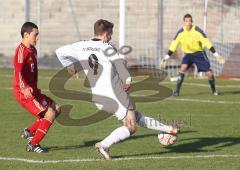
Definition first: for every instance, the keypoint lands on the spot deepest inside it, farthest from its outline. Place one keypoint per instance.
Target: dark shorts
(198, 58)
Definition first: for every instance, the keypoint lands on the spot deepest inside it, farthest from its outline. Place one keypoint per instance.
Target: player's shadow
(153, 135)
(221, 93)
(205, 144)
(70, 147)
(92, 142)
(198, 145)
(231, 92)
(199, 94)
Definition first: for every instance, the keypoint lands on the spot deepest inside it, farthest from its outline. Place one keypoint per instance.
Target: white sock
(153, 124)
(117, 135)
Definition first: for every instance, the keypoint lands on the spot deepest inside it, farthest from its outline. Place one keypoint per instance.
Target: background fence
(149, 28)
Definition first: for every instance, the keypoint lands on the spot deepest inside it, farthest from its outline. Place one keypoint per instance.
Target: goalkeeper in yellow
(192, 40)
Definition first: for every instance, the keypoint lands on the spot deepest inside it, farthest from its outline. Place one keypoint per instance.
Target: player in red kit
(26, 90)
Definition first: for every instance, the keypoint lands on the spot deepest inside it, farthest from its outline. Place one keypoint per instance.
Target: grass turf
(213, 129)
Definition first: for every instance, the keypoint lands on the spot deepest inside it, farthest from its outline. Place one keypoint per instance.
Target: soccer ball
(167, 139)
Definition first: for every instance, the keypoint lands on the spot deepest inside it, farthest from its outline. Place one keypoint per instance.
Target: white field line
(204, 101)
(171, 98)
(116, 159)
(204, 85)
(165, 82)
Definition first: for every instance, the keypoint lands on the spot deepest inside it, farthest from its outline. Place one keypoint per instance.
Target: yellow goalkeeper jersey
(191, 41)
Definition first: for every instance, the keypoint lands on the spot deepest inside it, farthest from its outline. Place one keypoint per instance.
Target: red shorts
(35, 105)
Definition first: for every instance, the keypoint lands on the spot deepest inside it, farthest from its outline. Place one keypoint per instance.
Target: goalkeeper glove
(219, 58)
(164, 61)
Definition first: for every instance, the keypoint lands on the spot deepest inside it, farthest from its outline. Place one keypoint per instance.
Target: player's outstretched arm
(219, 58)
(164, 61)
(205, 41)
(66, 56)
(174, 44)
(121, 67)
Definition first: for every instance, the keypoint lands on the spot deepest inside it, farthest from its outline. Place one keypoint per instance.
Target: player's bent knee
(132, 128)
(50, 114)
(130, 121)
(210, 74)
(183, 68)
(58, 110)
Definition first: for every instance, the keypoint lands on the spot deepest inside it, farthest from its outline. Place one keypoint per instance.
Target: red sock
(41, 131)
(32, 128)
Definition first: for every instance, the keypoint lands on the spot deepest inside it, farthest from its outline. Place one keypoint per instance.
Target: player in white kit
(109, 80)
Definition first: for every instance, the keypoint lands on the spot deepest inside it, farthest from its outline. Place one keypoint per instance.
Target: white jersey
(106, 74)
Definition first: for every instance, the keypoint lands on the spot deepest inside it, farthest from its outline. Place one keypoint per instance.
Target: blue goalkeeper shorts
(199, 58)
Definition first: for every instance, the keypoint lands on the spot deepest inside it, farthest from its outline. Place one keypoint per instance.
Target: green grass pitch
(210, 136)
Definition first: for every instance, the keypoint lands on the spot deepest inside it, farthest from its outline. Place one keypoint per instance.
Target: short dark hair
(102, 26)
(28, 27)
(187, 16)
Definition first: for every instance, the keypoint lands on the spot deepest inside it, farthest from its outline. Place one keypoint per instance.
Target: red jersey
(25, 68)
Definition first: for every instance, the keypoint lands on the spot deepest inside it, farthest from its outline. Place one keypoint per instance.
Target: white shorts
(114, 106)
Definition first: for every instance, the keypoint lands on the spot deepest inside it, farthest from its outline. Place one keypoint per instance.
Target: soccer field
(209, 138)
